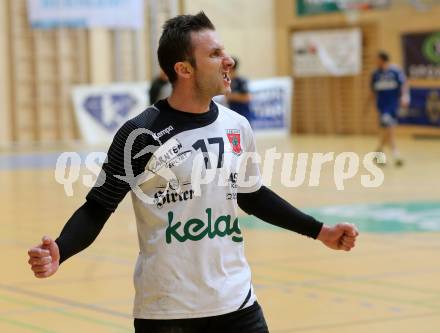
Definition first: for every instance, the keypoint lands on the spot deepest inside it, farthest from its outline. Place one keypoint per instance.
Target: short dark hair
(383, 56)
(175, 43)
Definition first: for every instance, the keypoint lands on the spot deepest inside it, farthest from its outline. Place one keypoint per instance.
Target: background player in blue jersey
(388, 85)
(239, 99)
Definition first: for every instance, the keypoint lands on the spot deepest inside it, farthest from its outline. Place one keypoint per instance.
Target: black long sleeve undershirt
(271, 208)
(82, 229)
(87, 222)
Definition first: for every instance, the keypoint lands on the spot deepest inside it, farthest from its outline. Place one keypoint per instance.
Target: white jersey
(191, 262)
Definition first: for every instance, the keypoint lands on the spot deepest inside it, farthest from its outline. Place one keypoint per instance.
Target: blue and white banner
(47, 14)
(102, 110)
(424, 109)
(271, 103)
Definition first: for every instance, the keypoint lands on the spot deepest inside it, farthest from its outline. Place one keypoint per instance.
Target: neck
(187, 100)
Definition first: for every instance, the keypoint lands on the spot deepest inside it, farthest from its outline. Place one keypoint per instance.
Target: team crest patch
(234, 139)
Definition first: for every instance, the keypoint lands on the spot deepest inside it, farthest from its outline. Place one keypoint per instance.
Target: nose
(228, 62)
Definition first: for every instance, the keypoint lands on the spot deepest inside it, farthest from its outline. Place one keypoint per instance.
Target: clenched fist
(44, 258)
(342, 236)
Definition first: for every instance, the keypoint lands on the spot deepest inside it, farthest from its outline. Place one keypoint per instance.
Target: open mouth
(226, 77)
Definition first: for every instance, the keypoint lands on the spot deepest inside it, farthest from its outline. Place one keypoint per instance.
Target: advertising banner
(102, 110)
(48, 14)
(424, 108)
(421, 53)
(312, 7)
(327, 52)
(271, 104)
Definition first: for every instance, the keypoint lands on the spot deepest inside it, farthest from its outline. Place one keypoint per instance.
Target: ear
(183, 69)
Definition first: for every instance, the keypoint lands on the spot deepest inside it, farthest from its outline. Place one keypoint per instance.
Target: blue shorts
(388, 117)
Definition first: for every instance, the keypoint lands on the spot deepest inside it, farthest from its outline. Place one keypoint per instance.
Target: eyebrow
(217, 48)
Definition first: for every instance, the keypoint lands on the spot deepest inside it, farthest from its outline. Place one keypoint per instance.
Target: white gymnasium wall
(5, 75)
(247, 29)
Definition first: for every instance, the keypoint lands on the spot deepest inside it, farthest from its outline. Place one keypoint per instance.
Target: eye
(216, 53)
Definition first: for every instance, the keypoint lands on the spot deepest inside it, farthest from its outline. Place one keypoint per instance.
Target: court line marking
(340, 291)
(322, 327)
(362, 279)
(79, 280)
(25, 325)
(323, 257)
(64, 301)
(65, 313)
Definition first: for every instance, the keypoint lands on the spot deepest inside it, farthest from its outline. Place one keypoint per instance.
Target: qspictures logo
(165, 157)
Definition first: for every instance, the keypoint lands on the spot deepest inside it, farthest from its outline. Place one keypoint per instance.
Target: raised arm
(86, 223)
(271, 208)
(79, 232)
